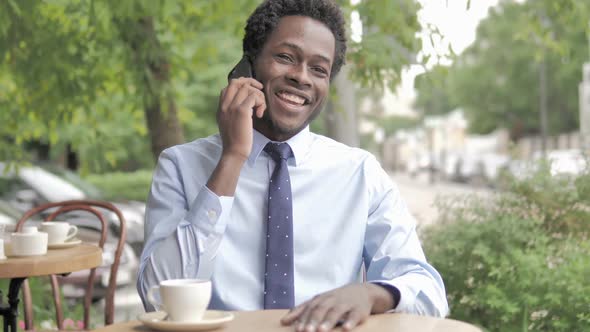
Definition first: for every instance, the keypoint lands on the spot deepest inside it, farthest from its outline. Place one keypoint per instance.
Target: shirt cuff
(209, 212)
(406, 296)
(395, 293)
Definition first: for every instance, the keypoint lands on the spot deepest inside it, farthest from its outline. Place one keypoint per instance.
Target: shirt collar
(298, 143)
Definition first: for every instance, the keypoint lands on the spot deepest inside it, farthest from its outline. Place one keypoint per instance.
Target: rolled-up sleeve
(182, 237)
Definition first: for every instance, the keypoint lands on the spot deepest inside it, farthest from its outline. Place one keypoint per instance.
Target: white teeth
(292, 98)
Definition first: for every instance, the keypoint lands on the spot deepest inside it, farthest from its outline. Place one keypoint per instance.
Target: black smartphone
(242, 69)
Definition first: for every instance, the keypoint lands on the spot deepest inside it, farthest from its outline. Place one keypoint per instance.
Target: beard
(275, 131)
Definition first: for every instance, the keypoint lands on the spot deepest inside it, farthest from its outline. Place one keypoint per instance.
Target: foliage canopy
(107, 77)
(497, 79)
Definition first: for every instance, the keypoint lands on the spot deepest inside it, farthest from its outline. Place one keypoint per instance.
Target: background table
(269, 321)
(58, 261)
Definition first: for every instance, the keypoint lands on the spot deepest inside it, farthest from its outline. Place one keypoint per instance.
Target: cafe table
(269, 321)
(56, 261)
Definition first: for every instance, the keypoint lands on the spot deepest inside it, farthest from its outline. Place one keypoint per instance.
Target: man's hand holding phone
(239, 101)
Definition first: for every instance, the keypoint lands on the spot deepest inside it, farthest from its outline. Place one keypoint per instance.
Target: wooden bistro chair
(54, 210)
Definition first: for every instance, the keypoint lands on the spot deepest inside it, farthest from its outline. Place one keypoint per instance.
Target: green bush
(123, 186)
(519, 260)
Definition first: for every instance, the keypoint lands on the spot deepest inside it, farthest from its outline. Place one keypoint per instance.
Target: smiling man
(279, 217)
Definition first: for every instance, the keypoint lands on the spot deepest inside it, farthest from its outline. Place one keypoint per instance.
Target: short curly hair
(267, 15)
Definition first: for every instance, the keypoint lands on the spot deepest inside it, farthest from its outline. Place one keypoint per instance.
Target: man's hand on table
(351, 305)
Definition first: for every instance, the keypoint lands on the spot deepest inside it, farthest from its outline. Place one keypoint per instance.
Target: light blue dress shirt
(346, 212)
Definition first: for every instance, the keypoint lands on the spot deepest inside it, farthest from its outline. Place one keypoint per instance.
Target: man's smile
(294, 98)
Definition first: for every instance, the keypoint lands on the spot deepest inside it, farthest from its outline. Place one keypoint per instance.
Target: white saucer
(211, 320)
(64, 245)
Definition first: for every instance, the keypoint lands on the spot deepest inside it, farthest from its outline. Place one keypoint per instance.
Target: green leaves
(496, 80)
(506, 266)
(80, 73)
(434, 92)
(68, 77)
(388, 42)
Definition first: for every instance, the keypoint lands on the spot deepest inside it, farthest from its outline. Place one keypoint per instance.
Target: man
(215, 213)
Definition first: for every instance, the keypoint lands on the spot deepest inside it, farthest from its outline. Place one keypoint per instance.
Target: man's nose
(300, 75)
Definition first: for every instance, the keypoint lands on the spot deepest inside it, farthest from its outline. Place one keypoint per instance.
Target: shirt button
(212, 214)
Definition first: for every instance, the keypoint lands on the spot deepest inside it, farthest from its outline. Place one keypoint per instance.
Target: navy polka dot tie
(278, 278)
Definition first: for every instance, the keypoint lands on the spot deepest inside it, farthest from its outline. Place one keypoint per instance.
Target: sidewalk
(420, 195)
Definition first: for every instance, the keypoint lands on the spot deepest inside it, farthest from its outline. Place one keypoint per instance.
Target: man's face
(294, 66)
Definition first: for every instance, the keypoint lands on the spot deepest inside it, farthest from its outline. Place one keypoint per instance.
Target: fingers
(313, 315)
(235, 85)
(254, 101)
(293, 314)
(320, 314)
(355, 317)
(260, 108)
(244, 94)
(246, 80)
(349, 305)
(332, 317)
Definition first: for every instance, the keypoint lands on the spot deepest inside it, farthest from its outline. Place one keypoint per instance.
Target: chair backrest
(92, 207)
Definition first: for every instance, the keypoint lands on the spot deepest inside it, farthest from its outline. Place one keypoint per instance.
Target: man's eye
(285, 57)
(320, 70)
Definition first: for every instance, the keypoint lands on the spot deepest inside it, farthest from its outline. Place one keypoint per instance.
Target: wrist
(383, 297)
(232, 159)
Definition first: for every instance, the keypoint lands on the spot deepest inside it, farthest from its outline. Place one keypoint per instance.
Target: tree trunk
(164, 127)
(72, 162)
(341, 117)
(153, 68)
(329, 120)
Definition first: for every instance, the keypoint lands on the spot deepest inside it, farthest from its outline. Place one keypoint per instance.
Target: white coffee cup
(184, 300)
(59, 231)
(28, 242)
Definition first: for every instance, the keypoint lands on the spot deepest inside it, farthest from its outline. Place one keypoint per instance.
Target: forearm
(181, 243)
(396, 258)
(224, 179)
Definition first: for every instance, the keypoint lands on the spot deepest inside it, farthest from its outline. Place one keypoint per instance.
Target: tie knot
(278, 151)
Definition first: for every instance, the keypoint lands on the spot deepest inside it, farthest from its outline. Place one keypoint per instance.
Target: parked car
(483, 168)
(561, 162)
(492, 165)
(30, 186)
(450, 167)
(133, 211)
(8, 215)
(571, 162)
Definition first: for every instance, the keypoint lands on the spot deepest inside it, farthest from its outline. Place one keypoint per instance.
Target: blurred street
(420, 195)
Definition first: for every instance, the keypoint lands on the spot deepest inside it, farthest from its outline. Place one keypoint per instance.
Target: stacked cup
(28, 242)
